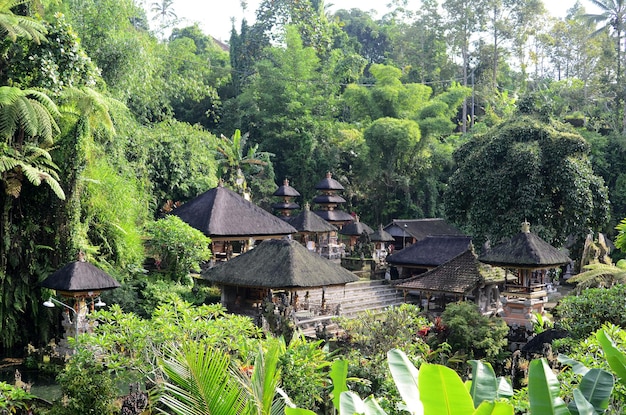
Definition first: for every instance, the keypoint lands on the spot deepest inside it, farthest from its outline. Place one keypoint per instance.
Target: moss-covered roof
(524, 250)
(279, 263)
(461, 275)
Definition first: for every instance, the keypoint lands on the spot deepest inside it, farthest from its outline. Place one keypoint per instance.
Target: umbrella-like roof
(222, 213)
(334, 215)
(461, 275)
(79, 276)
(356, 228)
(381, 236)
(524, 250)
(431, 251)
(328, 183)
(286, 190)
(308, 221)
(279, 263)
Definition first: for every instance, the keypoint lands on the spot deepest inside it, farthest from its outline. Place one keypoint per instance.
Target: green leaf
(372, 407)
(494, 408)
(577, 367)
(298, 411)
(339, 374)
(580, 405)
(405, 375)
(350, 403)
(442, 391)
(484, 385)
(596, 387)
(614, 357)
(505, 390)
(543, 390)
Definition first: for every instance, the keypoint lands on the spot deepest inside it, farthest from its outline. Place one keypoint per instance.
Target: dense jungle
(486, 113)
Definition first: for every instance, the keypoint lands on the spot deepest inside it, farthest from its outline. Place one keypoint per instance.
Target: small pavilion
(530, 258)
(380, 238)
(277, 266)
(232, 222)
(355, 230)
(460, 279)
(427, 254)
(81, 283)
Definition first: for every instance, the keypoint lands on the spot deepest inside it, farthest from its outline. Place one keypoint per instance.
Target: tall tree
(612, 18)
(526, 170)
(464, 19)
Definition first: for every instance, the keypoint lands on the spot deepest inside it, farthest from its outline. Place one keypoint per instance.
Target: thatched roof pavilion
(356, 228)
(222, 214)
(525, 250)
(328, 200)
(409, 231)
(429, 253)
(78, 279)
(461, 277)
(531, 257)
(307, 222)
(381, 235)
(279, 264)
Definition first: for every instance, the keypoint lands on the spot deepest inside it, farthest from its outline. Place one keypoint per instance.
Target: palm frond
(599, 275)
(200, 382)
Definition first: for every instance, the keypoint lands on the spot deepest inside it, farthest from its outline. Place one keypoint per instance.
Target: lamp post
(50, 303)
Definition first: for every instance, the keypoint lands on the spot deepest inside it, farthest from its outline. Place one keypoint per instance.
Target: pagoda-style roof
(79, 276)
(431, 251)
(328, 183)
(420, 228)
(356, 228)
(326, 199)
(286, 190)
(276, 264)
(285, 206)
(461, 275)
(221, 213)
(381, 235)
(310, 222)
(334, 216)
(524, 250)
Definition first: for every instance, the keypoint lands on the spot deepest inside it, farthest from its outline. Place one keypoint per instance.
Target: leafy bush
(177, 247)
(14, 400)
(597, 305)
(468, 332)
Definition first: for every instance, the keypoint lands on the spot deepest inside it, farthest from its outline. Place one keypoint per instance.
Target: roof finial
(307, 206)
(329, 175)
(286, 182)
(525, 226)
(81, 256)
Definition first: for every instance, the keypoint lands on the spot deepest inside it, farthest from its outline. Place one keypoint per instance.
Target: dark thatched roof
(308, 221)
(286, 190)
(222, 213)
(524, 250)
(431, 251)
(285, 206)
(328, 183)
(324, 199)
(334, 215)
(381, 236)
(420, 228)
(79, 276)
(279, 263)
(461, 275)
(356, 228)
(535, 345)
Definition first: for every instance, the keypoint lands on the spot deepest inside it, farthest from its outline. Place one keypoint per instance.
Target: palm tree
(15, 26)
(164, 11)
(612, 18)
(600, 275)
(201, 380)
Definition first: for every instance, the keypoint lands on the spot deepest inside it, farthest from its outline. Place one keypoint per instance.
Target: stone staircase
(345, 301)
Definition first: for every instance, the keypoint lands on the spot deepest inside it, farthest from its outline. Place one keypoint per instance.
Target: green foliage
(598, 305)
(14, 25)
(131, 345)
(87, 387)
(14, 400)
(177, 247)
(526, 170)
(470, 333)
(304, 366)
